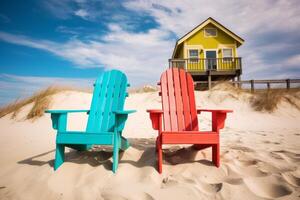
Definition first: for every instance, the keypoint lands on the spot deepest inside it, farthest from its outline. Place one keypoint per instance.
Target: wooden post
(239, 79)
(233, 83)
(209, 80)
(288, 84)
(252, 85)
(269, 85)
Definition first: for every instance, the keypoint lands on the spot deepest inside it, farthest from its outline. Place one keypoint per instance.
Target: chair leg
(159, 155)
(157, 144)
(59, 156)
(115, 153)
(216, 154)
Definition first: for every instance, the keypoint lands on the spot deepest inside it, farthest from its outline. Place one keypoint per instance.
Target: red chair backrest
(178, 101)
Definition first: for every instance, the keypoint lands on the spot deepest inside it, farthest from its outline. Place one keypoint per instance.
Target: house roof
(209, 20)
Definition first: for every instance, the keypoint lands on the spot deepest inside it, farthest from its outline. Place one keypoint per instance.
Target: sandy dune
(260, 156)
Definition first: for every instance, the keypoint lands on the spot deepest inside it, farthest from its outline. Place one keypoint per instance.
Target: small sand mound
(292, 178)
(268, 187)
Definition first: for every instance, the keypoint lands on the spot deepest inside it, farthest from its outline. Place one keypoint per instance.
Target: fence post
(252, 85)
(288, 84)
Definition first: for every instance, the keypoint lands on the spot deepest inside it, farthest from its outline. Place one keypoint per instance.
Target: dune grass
(269, 100)
(41, 101)
(263, 99)
(146, 88)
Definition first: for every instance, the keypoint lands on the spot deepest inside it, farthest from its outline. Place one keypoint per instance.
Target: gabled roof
(209, 20)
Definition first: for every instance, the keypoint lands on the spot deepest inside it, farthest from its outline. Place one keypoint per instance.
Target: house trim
(238, 40)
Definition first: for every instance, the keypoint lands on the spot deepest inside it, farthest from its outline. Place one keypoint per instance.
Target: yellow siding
(210, 42)
(218, 43)
(221, 41)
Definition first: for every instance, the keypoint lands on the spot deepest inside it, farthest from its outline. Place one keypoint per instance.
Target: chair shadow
(32, 161)
(98, 156)
(148, 156)
(101, 155)
(183, 155)
(171, 156)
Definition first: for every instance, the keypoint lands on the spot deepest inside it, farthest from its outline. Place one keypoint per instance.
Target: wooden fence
(287, 82)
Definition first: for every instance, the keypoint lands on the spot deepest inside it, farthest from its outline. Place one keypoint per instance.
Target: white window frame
(191, 58)
(227, 59)
(208, 36)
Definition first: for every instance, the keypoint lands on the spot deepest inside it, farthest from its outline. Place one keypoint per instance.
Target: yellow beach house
(209, 52)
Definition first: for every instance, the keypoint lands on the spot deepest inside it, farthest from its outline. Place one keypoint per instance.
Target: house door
(211, 60)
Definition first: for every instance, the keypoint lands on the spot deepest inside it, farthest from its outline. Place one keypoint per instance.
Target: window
(227, 54)
(210, 32)
(193, 55)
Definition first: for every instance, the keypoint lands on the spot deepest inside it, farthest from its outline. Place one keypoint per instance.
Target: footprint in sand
(211, 189)
(137, 196)
(242, 148)
(288, 156)
(234, 181)
(268, 187)
(291, 178)
(247, 171)
(143, 196)
(246, 163)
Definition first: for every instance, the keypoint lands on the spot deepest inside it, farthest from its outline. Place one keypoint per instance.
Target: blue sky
(69, 42)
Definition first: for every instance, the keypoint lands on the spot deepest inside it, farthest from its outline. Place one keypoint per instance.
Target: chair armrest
(213, 110)
(155, 111)
(124, 112)
(59, 118)
(66, 111)
(121, 117)
(156, 118)
(218, 117)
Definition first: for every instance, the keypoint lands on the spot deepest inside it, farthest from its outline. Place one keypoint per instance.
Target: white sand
(260, 156)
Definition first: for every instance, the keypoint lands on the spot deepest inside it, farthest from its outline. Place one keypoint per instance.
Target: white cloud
(141, 55)
(268, 27)
(241, 16)
(144, 55)
(293, 61)
(81, 13)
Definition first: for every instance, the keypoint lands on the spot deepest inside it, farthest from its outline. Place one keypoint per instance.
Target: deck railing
(284, 83)
(206, 64)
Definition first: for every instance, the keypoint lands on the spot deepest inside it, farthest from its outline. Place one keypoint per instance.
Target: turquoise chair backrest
(109, 95)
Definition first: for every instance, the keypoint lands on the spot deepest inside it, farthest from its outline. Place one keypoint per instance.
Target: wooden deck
(209, 70)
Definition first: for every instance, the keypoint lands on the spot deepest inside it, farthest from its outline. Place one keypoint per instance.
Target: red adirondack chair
(177, 122)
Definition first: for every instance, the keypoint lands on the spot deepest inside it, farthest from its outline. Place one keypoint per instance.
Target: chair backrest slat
(194, 118)
(178, 101)
(185, 101)
(109, 95)
(165, 101)
(172, 103)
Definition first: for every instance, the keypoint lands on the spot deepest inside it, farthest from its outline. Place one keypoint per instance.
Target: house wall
(202, 43)
(221, 41)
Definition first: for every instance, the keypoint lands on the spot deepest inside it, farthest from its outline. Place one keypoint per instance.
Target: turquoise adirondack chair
(105, 123)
